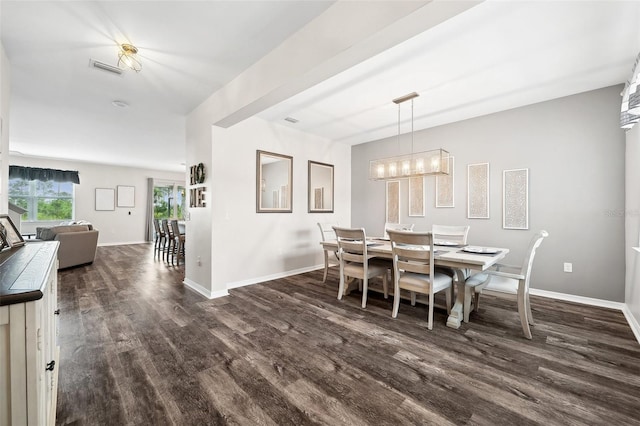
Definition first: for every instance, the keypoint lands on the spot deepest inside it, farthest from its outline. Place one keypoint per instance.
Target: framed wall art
(105, 199)
(445, 188)
(416, 196)
(320, 187)
(515, 199)
(126, 196)
(392, 214)
(9, 234)
(478, 191)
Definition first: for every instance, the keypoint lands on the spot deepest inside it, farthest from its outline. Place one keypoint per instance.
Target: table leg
(457, 312)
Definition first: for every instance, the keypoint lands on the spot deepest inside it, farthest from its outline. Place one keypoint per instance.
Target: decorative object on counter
(416, 196)
(9, 235)
(445, 187)
(392, 214)
(126, 196)
(274, 182)
(478, 191)
(320, 187)
(105, 199)
(515, 199)
(426, 163)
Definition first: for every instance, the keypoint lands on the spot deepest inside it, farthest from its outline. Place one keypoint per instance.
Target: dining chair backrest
(326, 231)
(455, 234)
(167, 228)
(397, 227)
(412, 252)
(352, 244)
(158, 228)
(527, 264)
(175, 228)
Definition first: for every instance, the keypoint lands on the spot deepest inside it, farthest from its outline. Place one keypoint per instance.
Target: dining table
(459, 258)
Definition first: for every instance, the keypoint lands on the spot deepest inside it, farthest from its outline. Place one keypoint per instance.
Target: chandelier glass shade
(128, 57)
(425, 163)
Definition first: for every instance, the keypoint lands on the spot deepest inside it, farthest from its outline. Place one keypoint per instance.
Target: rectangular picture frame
(515, 199)
(445, 188)
(416, 196)
(392, 211)
(478, 191)
(126, 196)
(105, 199)
(10, 235)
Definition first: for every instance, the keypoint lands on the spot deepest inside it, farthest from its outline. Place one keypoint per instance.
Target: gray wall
(575, 152)
(632, 220)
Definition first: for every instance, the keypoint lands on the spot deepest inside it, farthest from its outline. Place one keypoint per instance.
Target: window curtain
(44, 175)
(148, 234)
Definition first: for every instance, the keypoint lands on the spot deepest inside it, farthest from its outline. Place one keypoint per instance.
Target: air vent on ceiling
(291, 120)
(105, 67)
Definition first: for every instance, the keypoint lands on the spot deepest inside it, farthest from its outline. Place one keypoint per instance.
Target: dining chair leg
(365, 287)
(396, 301)
(326, 266)
(385, 286)
(430, 323)
(413, 298)
(522, 311)
(529, 314)
(341, 286)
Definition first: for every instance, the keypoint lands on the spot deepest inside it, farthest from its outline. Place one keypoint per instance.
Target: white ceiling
(495, 56)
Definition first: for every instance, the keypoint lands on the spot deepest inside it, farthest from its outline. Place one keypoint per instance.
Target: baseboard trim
(284, 274)
(203, 291)
(635, 327)
(633, 323)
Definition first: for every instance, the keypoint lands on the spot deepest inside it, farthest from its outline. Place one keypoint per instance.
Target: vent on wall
(105, 67)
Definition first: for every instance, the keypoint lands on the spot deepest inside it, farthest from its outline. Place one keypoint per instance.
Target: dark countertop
(23, 271)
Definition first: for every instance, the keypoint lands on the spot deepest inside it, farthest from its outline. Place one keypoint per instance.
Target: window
(43, 200)
(168, 201)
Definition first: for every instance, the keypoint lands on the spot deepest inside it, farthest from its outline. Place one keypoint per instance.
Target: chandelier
(425, 163)
(128, 56)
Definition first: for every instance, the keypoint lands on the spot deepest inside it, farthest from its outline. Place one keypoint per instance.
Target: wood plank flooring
(139, 348)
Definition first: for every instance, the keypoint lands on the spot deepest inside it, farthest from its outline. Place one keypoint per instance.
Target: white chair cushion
(357, 270)
(503, 284)
(441, 281)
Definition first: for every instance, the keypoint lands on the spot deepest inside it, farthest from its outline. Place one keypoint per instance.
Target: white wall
(5, 92)
(574, 149)
(118, 226)
(632, 222)
(250, 247)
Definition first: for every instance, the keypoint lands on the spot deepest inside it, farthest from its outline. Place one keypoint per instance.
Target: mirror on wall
(320, 190)
(273, 182)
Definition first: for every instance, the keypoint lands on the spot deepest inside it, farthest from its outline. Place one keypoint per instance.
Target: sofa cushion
(48, 234)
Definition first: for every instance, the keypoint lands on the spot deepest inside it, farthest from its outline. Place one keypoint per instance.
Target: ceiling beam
(346, 34)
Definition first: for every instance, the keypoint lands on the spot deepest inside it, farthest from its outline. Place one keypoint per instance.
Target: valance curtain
(44, 175)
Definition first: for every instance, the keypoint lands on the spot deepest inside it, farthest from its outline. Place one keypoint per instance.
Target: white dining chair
(446, 234)
(355, 261)
(397, 227)
(413, 269)
(327, 233)
(515, 282)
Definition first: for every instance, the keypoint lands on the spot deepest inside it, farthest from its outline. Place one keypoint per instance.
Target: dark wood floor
(138, 348)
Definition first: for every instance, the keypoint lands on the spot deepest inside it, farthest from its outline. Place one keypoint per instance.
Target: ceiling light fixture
(128, 57)
(426, 163)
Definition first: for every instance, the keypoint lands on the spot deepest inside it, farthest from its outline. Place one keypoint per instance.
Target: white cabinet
(28, 335)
